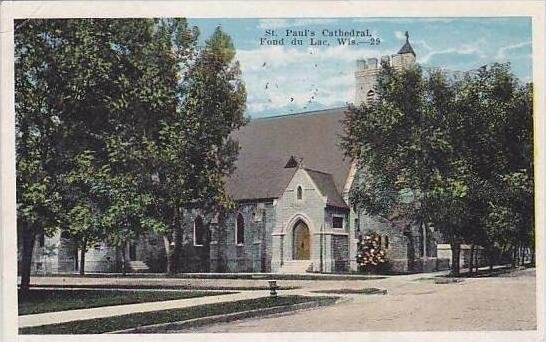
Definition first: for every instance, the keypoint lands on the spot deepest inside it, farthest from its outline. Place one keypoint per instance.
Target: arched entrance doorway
(301, 242)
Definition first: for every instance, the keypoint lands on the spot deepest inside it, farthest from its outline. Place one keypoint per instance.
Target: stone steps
(296, 267)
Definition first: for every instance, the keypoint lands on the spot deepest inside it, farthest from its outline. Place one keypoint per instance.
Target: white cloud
(289, 79)
(399, 35)
(501, 53)
(276, 56)
(463, 49)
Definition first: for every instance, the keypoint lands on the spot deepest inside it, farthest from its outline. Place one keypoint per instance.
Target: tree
(89, 94)
(495, 138)
(432, 150)
(84, 203)
(194, 153)
(401, 147)
(37, 130)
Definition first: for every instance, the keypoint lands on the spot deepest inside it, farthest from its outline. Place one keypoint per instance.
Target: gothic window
(299, 193)
(386, 242)
(370, 95)
(199, 232)
(240, 230)
(42, 240)
(337, 222)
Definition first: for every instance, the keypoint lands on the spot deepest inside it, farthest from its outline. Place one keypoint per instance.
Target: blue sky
(288, 79)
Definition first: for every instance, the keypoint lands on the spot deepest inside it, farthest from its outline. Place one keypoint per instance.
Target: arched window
(240, 230)
(299, 192)
(199, 232)
(386, 242)
(370, 95)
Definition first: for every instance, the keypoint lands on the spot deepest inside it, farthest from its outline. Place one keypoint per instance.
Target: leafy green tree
(90, 93)
(83, 199)
(402, 149)
(495, 139)
(37, 130)
(194, 152)
(432, 151)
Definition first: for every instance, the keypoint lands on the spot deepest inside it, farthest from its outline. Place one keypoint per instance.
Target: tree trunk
(477, 259)
(490, 257)
(172, 245)
(169, 254)
(471, 261)
(221, 243)
(124, 259)
(513, 263)
(82, 257)
(177, 238)
(28, 237)
(455, 257)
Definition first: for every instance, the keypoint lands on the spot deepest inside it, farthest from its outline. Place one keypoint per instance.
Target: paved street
(501, 303)
(413, 303)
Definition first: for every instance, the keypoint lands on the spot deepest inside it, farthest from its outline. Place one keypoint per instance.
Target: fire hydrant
(273, 288)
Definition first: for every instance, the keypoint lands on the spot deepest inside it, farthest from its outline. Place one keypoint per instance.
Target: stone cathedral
(293, 215)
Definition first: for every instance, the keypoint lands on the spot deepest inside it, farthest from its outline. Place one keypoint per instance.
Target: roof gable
(266, 145)
(325, 184)
(292, 162)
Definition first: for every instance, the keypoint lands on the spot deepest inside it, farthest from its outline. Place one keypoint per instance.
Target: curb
(196, 322)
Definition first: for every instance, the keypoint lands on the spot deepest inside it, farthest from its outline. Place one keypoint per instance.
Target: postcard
(295, 170)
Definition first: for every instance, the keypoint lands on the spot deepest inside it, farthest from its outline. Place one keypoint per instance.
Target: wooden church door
(301, 241)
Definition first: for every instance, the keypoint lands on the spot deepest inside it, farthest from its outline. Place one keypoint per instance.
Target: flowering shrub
(370, 255)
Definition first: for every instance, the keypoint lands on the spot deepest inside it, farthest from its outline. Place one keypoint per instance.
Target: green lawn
(48, 300)
(195, 287)
(109, 324)
(367, 290)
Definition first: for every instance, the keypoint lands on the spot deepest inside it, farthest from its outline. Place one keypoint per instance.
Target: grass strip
(50, 300)
(164, 286)
(368, 290)
(115, 323)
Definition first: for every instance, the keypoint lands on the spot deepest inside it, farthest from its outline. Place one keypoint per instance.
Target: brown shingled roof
(268, 143)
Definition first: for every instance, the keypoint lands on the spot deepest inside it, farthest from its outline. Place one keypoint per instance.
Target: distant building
(292, 187)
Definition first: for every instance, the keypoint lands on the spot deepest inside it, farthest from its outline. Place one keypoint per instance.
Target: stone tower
(368, 69)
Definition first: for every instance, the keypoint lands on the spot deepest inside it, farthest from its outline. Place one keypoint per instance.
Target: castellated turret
(368, 69)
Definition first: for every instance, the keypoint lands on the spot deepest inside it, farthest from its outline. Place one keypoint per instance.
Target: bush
(370, 255)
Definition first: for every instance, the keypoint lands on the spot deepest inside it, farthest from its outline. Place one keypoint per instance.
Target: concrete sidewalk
(117, 310)
(395, 285)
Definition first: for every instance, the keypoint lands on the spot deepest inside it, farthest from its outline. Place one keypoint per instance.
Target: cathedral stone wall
(254, 255)
(289, 210)
(151, 250)
(398, 246)
(340, 252)
(269, 224)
